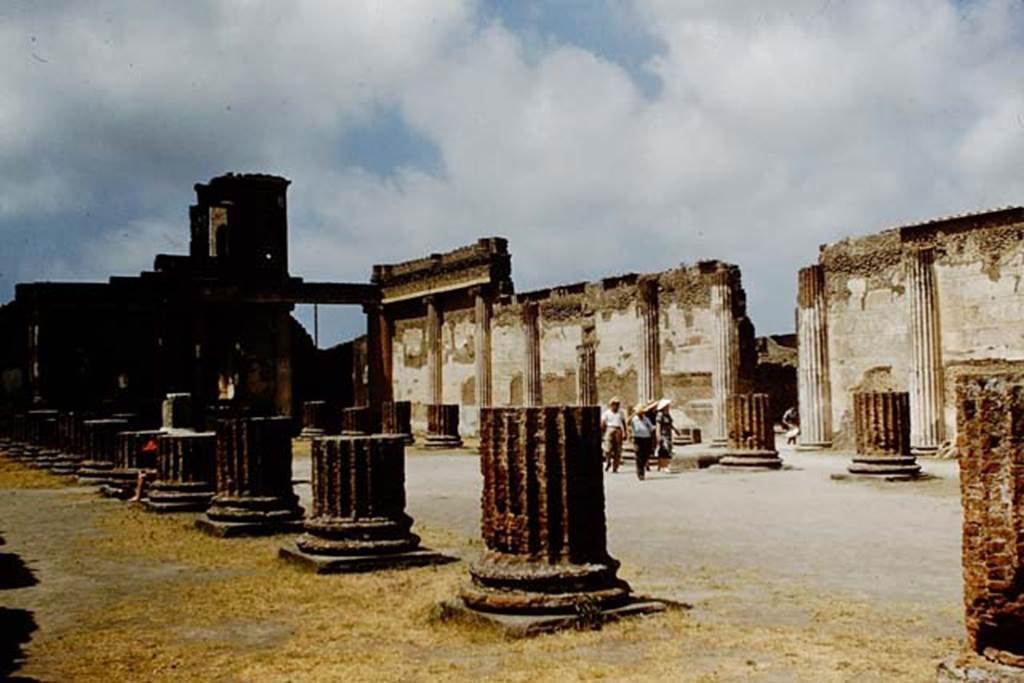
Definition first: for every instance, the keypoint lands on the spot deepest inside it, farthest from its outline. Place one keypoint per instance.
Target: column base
(442, 441)
(46, 458)
(237, 529)
(527, 625)
(251, 516)
(973, 668)
(348, 564)
(924, 450)
(310, 433)
(66, 465)
(769, 460)
(94, 473)
(814, 446)
(165, 496)
(899, 466)
(121, 483)
(718, 442)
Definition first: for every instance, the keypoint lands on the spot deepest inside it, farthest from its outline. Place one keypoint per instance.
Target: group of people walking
(649, 425)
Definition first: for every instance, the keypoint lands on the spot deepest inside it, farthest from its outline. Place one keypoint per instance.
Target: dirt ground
(790, 576)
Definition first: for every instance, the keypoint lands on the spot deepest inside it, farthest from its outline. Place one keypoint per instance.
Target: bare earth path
(792, 576)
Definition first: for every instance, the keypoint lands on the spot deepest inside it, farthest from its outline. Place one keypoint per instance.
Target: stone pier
(184, 472)
(176, 412)
(17, 437)
(43, 425)
(396, 418)
(990, 441)
(545, 565)
(314, 419)
(100, 439)
(379, 363)
(358, 520)
(882, 428)
(435, 352)
(356, 421)
(751, 433)
(253, 479)
(649, 343)
(814, 389)
(70, 443)
(443, 427)
(482, 348)
(533, 394)
(135, 452)
(726, 357)
(927, 429)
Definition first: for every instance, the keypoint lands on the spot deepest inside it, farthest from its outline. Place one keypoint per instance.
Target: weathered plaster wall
(979, 265)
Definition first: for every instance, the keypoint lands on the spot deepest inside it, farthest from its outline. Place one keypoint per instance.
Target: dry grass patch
(15, 475)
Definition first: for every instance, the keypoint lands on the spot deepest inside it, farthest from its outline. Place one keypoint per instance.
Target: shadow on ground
(16, 625)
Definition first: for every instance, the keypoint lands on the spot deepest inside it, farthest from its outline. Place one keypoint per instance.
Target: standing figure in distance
(643, 438)
(613, 428)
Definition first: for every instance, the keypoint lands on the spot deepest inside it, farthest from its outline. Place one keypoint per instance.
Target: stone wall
(978, 264)
(606, 311)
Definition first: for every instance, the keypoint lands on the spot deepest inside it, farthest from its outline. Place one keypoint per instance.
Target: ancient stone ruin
(882, 425)
(100, 449)
(135, 453)
(396, 418)
(315, 419)
(543, 523)
(253, 479)
(358, 521)
(443, 427)
(751, 440)
(990, 440)
(184, 472)
(356, 421)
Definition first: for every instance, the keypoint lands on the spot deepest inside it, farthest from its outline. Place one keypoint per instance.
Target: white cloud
(778, 126)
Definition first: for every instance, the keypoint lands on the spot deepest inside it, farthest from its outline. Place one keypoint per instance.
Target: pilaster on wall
(814, 385)
(435, 355)
(482, 348)
(927, 428)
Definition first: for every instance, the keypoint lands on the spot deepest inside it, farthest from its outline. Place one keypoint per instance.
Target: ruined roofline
(483, 250)
(226, 178)
(1005, 215)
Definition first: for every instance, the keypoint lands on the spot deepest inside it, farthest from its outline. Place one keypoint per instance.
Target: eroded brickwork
(543, 521)
(358, 497)
(355, 421)
(185, 472)
(882, 432)
(990, 439)
(396, 418)
(100, 448)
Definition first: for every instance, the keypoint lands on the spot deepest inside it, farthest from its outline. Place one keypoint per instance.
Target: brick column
(184, 472)
(814, 387)
(543, 521)
(990, 440)
(533, 392)
(253, 479)
(358, 520)
(927, 429)
(380, 388)
(649, 372)
(136, 451)
(725, 346)
(396, 418)
(100, 449)
(356, 421)
(882, 427)
(314, 419)
(43, 426)
(443, 427)
(751, 435)
(482, 348)
(69, 443)
(176, 412)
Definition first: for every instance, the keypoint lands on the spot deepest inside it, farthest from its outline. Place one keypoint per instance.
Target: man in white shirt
(613, 427)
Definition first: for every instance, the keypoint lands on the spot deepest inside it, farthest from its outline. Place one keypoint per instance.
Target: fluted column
(136, 452)
(435, 355)
(482, 342)
(814, 386)
(586, 374)
(396, 418)
(253, 478)
(751, 434)
(543, 521)
(882, 427)
(443, 427)
(927, 428)
(649, 372)
(533, 394)
(380, 388)
(184, 472)
(725, 348)
(100, 438)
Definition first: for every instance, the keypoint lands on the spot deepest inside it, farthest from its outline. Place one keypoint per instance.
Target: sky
(599, 136)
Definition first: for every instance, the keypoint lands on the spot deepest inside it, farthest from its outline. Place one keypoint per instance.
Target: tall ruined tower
(240, 223)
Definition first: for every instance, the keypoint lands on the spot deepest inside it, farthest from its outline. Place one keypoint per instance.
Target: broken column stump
(396, 418)
(355, 421)
(100, 441)
(253, 479)
(43, 437)
(135, 453)
(751, 436)
(882, 426)
(443, 426)
(314, 419)
(990, 440)
(687, 436)
(70, 443)
(176, 412)
(358, 520)
(17, 437)
(184, 472)
(545, 565)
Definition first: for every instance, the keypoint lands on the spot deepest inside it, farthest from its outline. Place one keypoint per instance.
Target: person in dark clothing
(643, 438)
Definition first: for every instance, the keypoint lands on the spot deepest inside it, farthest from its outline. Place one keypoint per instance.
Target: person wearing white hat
(613, 429)
(665, 429)
(643, 438)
